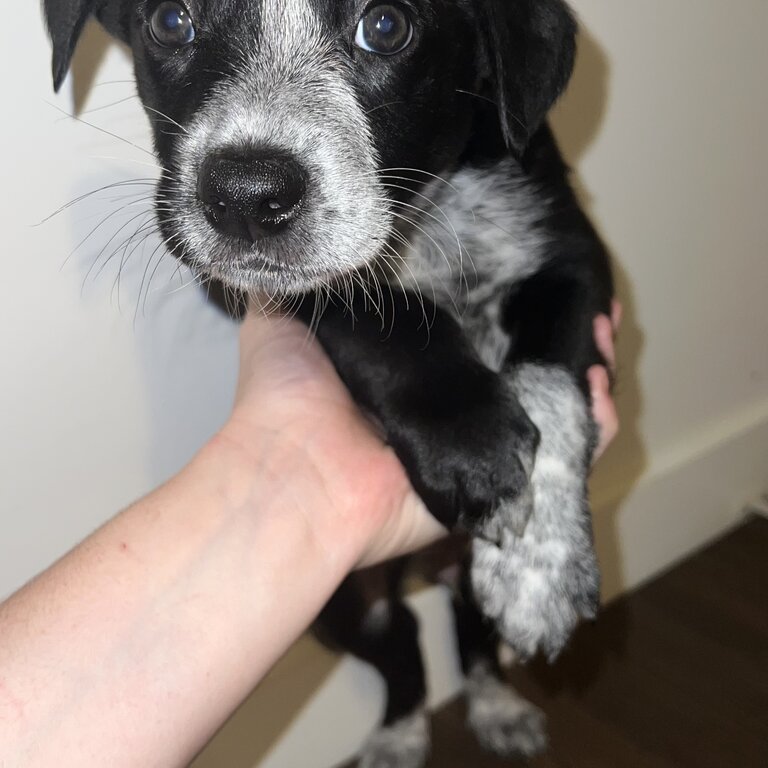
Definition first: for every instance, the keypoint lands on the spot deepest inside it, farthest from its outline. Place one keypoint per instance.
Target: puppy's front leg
(464, 439)
(538, 586)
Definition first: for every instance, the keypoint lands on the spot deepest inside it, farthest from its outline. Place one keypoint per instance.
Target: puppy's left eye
(385, 29)
(171, 25)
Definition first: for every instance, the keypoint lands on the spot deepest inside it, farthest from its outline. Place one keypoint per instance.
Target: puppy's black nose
(252, 196)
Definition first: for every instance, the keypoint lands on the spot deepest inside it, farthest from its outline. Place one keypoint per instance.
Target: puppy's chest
(477, 236)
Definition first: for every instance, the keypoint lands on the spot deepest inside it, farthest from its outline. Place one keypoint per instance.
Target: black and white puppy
(311, 146)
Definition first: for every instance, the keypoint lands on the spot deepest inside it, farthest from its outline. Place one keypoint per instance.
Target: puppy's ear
(528, 47)
(65, 20)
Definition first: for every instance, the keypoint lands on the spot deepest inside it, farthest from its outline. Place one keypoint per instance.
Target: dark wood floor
(673, 676)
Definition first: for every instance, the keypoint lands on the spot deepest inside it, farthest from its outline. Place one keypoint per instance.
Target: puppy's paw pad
(503, 722)
(494, 485)
(404, 744)
(469, 464)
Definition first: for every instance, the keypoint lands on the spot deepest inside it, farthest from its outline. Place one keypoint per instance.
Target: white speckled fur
(503, 721)
(377, 617)
(476, 236)
(538, 586)
(404, 744)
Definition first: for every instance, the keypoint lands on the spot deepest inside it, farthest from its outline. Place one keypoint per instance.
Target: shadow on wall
(205, 346)
(91, 51)
(576, 122)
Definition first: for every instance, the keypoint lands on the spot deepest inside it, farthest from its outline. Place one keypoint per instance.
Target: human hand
(321, 445)
(599, 377)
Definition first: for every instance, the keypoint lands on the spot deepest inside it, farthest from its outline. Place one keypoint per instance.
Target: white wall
(677, 173)
(666, 121)
(99, 402)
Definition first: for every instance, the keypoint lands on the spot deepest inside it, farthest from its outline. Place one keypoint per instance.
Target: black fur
(461, 434)
(529, 50)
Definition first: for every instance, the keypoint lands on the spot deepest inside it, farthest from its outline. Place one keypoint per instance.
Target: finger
(603, 331)
(603, 408)
(257, 325)
(617, 314)
(264, 317)
(266, 329)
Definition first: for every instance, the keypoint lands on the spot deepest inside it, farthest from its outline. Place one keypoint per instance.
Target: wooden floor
(673, 676)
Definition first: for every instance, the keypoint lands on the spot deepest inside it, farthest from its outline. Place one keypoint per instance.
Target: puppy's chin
(249, 271)
(276, 282)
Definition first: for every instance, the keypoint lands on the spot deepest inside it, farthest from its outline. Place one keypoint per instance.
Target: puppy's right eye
(171, 25)
(385, 30)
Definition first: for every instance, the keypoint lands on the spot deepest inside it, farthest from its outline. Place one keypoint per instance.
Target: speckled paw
(536, 593)
(503, 722)
(404, 744)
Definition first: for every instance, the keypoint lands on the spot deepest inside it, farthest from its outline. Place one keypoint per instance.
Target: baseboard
(759, 506)
(689, 496)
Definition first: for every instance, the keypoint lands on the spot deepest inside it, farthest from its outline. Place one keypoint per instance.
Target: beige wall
(666, 122)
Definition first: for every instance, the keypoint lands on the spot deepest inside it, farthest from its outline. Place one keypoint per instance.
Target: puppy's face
(293, 133)
(278, 121)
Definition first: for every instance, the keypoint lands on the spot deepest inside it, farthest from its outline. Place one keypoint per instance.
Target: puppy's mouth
(249, 266)
(255, 263)
(245, 267)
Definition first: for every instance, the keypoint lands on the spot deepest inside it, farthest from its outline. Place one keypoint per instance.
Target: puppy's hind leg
(390, 634)
(384, 633)
(503, 721)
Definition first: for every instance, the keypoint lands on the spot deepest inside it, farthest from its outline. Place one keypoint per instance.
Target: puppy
(386, 169)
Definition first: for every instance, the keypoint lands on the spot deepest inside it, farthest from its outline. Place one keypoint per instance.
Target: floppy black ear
(65, 20)
(529, 48)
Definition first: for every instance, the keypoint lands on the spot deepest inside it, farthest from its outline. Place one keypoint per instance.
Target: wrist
(326, 500)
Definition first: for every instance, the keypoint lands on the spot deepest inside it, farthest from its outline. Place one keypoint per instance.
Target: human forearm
(135, 647)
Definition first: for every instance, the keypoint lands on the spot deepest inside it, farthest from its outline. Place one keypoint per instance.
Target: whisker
(167, 118)
(451, 229)
(419, 291)
(117, 250)
(419, 171)
(99, 128)
(159, 248)
(426, 234)
(104, 106)
(384, 106)
(504, 111)
(97, 228)
(114, 82)
(429, 200)
(123, 160)
(114, 185)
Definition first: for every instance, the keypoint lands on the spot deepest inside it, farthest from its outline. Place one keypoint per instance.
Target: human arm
(134, 648)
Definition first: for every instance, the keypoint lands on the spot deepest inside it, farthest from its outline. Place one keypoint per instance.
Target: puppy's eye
(385, 29)
(171, 25)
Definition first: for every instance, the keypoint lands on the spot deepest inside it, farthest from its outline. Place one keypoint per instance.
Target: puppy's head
(295, 134)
